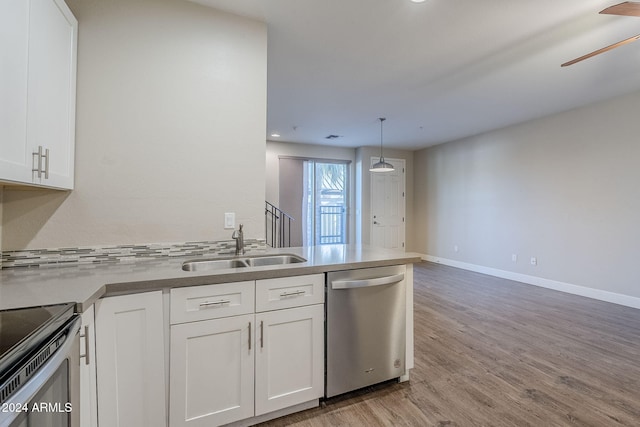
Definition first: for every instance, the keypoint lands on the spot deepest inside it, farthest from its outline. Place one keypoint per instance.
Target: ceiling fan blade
(599, 51)
(628, 8)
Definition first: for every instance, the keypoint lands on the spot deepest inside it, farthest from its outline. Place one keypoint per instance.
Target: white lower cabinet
(233, 368)
(88, 388)
(228, 361)
(130, 361)
(211, 371)
(289, 357)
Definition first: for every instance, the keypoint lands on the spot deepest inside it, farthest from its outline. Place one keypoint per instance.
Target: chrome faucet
(239, 238)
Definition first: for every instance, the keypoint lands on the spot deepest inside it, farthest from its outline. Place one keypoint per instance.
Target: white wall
(171, 115)
(563, 189)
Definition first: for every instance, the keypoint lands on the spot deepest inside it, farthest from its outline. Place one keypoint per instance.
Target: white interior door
(388, 206)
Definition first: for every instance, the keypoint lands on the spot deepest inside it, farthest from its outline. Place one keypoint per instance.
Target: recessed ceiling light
(418, 1)
(275, 135)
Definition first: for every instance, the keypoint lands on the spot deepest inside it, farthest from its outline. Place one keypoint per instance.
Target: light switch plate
(229, 220)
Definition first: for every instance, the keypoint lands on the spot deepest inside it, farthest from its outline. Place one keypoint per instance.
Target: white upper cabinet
(52, 90)
(38, 89)
(15, 164)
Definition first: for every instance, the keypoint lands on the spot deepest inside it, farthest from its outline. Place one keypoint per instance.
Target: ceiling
(438, 71)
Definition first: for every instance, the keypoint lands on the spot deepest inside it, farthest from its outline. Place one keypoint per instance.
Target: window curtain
(291, 194)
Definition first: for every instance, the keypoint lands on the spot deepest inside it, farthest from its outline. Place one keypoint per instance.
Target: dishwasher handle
(378, 281)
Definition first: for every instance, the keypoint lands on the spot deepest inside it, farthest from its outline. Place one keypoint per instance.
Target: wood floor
(492, 352)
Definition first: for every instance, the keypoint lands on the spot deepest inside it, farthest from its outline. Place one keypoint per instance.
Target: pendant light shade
(381, 166)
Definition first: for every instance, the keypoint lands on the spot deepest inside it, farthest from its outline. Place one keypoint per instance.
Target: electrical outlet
(229, 220)
(514, 257)
(534, 260)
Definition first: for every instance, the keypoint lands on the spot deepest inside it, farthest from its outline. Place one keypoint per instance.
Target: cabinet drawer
(285, 292)
(211, 301)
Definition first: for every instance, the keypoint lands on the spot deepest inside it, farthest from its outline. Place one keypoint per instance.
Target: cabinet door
(52, 88)
(130, 355)
(88, 389)
(15, 163)
(289, 357)
(211, 372)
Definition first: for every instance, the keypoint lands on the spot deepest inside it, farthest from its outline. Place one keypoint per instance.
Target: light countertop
(84, 284)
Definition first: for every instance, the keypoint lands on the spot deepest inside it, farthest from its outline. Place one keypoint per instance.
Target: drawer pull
(292, 294)
(214, 303)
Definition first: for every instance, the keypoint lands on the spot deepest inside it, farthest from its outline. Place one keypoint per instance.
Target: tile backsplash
(121, 253)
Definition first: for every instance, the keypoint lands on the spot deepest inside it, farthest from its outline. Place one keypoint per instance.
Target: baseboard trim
(584, 291)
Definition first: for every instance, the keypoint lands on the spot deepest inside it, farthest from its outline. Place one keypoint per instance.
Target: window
(324, 202)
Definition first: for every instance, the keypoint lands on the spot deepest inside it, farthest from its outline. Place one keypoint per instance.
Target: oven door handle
(378, 281)
(27, 391)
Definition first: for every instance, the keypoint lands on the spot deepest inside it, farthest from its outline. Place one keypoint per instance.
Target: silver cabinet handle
(86, 345)
(378, 281)
(37, 167)
(249, 335)
(290, 294)
(214, 303)
(38, 154)
(46, 163)
(261, 334)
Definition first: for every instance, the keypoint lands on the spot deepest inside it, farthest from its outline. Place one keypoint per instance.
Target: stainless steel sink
(213, 264)
(255, 261)
(260, 261)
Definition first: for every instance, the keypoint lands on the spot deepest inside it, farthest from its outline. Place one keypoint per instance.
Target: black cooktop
(23, 329)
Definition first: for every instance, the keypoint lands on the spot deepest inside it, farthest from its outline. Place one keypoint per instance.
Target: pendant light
(381, 166)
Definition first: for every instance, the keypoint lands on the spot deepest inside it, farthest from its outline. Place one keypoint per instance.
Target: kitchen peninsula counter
(85, 283)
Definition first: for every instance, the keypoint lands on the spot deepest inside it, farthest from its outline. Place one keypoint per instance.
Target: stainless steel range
(39, 367)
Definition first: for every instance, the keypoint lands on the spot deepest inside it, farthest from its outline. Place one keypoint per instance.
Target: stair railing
(277, 224)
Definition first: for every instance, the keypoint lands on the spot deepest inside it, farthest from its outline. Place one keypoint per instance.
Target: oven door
(51, 397)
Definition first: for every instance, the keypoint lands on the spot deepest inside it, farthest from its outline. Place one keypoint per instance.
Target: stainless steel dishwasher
(366, 313)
